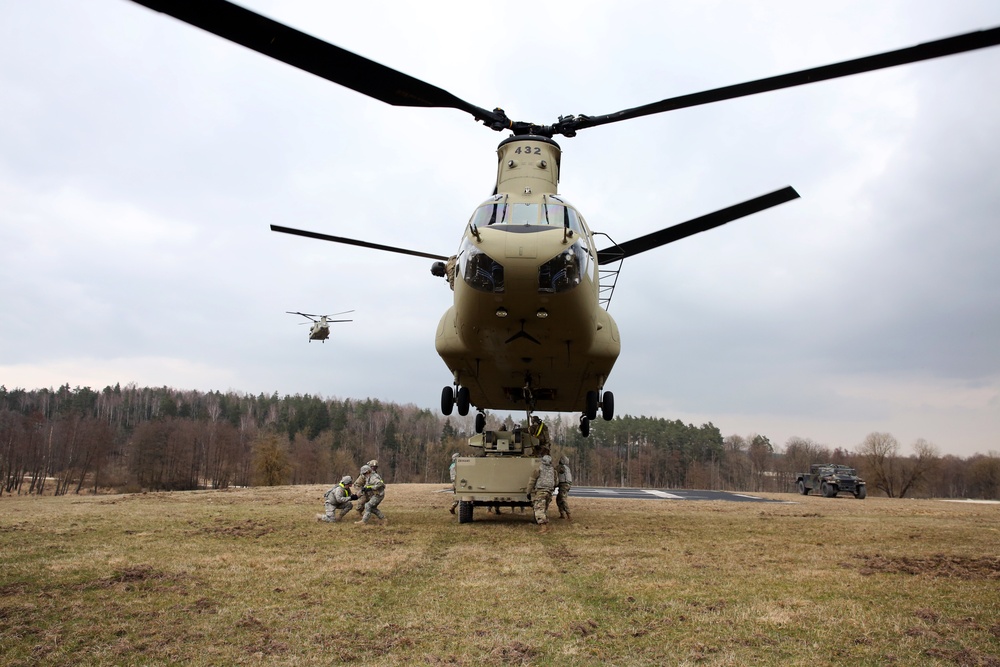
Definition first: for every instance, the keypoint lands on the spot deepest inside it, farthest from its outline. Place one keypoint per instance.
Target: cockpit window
(489, 214)
(563, 216)
(522, 214)
(548, 214)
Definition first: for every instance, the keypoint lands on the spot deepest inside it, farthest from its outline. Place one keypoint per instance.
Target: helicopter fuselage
(319, 331)
(527, 329)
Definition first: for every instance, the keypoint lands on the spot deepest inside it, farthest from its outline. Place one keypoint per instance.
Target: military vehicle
(499, 476)
(831, 479)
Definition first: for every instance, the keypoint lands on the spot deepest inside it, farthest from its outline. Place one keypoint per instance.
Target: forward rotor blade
(926, 51)
(313, 55)
(363, 244)
(691, 227)
(342, 313)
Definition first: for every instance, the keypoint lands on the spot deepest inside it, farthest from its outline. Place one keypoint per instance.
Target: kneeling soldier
(338, 501)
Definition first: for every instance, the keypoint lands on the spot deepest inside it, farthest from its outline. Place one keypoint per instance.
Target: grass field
(249, 577)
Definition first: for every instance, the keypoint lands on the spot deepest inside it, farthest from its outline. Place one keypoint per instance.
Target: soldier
(565, 482)
(451, 472)
(338, 501)
(377, 488)
(540, 486)
(359, 487)
(541, 432)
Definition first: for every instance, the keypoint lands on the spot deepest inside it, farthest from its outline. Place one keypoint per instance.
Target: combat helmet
(346, 480)
(373, 464)
(365, 469)
(547, 460)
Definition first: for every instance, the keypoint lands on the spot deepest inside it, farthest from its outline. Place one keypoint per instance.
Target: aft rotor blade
(691, 227)
(363, 244)
(341, 313)
(926, 51)
(313, 55)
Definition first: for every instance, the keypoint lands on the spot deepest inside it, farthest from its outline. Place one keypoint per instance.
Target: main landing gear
(451, 399)
(604, 400)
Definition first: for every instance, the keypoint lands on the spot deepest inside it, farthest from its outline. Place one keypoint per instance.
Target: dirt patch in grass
(935, 565)
(243, 529)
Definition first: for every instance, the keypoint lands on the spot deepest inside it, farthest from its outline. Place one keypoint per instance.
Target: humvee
(831, 479)
(499, 476)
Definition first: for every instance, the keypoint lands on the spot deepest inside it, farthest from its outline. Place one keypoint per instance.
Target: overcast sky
(142, 160)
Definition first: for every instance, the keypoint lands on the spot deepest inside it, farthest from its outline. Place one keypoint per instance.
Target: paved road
(673, 494)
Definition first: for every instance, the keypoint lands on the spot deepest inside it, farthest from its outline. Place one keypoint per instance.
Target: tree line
(129, 439)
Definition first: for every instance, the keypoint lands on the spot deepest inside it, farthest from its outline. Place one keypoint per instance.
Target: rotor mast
(528, 167)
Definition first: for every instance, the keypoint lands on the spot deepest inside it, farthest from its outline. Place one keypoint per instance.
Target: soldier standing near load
(541, 431)
(377, 488)
(451, 472)
(359, 487)
(565, 482)
(540, 486)
(338, 501)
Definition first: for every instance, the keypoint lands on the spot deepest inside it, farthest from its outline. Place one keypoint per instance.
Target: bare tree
(915, 470)
(881, 454)
(800, 453)
(270, 460)
(759, 452)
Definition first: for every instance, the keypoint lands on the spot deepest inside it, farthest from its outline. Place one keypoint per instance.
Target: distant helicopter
(320, 330)
(529, 328)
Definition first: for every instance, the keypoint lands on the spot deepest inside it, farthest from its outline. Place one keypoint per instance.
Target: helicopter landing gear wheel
(447, 400)
(608, 406)
(591, 411)
(462, 400)
(480, 422)
(584, 426)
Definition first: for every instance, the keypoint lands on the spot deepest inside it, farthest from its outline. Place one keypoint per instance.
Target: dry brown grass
(249, 577)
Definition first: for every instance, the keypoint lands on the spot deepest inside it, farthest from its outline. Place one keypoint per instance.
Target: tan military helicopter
(529, 328)
(320, 329)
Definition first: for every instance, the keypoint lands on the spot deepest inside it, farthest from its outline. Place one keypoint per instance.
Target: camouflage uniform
(377, 487)
(565, 482)
(540, 486)
(540, 431)
(364, 495)
(337, 501)
(451, 472)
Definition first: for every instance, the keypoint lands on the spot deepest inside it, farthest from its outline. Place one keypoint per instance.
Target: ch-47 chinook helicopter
(529, 328)
(320, 329)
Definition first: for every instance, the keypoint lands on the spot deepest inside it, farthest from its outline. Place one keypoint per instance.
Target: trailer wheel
(464, 511)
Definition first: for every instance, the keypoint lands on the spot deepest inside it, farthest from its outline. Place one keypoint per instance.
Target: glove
(354, 496)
